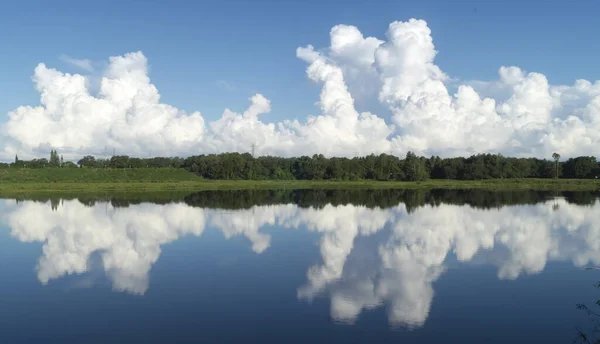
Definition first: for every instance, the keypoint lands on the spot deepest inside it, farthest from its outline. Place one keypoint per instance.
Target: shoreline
(202, 185)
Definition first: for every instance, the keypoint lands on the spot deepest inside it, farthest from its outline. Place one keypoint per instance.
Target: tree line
(382, 167)
(54, 161)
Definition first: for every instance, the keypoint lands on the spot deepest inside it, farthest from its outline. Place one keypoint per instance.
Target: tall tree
(414, 168)
(54, 159)
(556, 157)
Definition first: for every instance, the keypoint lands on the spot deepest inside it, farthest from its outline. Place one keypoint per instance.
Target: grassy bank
(93, 175)
(143, 180)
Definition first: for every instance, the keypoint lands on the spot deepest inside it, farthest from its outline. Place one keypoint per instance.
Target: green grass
(94, 175)
(149, 179)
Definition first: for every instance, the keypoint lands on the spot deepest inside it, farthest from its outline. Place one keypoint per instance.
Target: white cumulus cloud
(519, 114)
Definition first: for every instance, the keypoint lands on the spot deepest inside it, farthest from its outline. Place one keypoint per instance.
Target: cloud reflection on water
(396, 269)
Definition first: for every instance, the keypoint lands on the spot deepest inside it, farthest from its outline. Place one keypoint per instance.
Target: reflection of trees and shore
(370, 198)
(378, 248)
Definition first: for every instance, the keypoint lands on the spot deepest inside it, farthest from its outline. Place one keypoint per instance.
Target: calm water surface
(299, 266)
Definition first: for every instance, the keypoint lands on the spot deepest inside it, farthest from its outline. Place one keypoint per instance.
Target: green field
(14, 180)
(94, 175)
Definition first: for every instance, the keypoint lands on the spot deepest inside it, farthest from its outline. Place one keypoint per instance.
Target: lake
(299, 266)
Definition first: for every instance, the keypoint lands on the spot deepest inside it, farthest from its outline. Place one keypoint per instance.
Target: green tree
(119, 161)
(69, 164)
(54, 159)
(414, 168)
(87, 161)
(580, 167)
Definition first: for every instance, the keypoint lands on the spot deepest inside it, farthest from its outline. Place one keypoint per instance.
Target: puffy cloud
(526, 117)
(125, 115)
(519, 114)
(358, 270)
(341, 130)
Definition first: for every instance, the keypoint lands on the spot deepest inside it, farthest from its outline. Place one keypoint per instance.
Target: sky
(341, 78)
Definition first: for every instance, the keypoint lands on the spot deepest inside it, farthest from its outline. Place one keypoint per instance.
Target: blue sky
(210, 55)
(193, 46)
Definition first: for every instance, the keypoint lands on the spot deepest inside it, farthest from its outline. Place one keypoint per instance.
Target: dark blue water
(289, 272)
